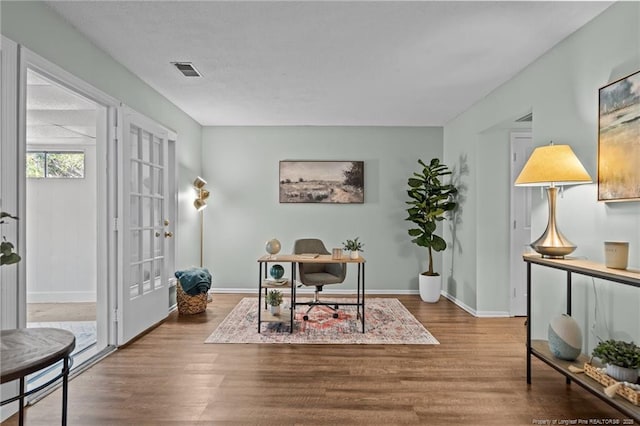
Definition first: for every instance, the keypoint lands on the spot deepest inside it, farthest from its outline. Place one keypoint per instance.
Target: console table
(26, 350)
(294, 259)
(540, 348)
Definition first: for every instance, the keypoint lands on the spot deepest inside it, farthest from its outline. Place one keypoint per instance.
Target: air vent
(525, 118)
(187, 69)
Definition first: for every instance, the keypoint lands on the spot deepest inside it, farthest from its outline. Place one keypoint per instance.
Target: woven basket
(626, 392)
(189, 305)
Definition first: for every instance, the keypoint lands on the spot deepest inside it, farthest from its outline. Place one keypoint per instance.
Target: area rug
(387, 321)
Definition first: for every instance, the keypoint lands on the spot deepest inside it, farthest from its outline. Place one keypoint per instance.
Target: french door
(146, 229)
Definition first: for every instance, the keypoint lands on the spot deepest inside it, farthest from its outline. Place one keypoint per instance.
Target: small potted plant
(7, 255)
(622, 359)
(354, 246)
(274, 299)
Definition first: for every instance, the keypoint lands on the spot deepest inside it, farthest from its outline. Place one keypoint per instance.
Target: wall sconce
(200, 203)
(549, 166)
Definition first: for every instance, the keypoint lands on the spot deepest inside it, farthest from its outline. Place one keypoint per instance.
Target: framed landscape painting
(338, 182)
(619, 140)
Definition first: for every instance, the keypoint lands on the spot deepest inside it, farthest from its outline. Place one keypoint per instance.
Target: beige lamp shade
(552, 165)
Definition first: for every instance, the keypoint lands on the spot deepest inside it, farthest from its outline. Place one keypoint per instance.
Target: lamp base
(553, 252)
(552, 244)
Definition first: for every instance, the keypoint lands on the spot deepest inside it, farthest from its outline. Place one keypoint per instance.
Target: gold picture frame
(619, 140)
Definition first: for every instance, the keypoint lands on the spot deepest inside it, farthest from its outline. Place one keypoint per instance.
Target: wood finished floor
(57, 312)
(476, 376)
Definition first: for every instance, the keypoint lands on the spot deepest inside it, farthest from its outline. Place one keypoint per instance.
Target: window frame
(46, 152)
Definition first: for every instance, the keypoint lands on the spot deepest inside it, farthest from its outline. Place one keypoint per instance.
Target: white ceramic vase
(430, 287)
(275, 310)
(354, 254)
(622, 374)
(565, 337)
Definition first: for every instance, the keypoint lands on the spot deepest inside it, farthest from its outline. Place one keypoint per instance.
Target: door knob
(168, 234)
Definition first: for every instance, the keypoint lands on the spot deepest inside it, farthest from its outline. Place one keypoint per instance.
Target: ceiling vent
(187, 69)
(525, 118)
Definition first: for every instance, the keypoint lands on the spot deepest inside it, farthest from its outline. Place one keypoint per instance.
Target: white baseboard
(61, 296)
(476, 313)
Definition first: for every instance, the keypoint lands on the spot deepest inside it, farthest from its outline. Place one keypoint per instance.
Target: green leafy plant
(617, 352)
(353, 245)
(274, 297)
(7, 255)
(430, 199)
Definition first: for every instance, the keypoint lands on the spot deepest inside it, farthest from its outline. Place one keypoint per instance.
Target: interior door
(521, 148)
(144, 295)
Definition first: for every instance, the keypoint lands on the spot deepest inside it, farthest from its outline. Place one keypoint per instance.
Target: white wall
(61, 236)
(241, 167)
(561, 88)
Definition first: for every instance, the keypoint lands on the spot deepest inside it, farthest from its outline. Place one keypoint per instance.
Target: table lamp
(552, 166)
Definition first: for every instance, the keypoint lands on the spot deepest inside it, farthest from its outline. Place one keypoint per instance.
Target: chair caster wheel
(305, 318)
(335, 315)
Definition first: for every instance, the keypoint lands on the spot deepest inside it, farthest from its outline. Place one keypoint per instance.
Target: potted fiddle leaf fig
(622, 359)
(430, 200)
(274, 299)
(7, 255)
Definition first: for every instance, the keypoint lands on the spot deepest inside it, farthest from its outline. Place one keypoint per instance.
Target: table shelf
(540, 348)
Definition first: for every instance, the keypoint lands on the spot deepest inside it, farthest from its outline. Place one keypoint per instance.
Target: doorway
(520, 235)
(64, 131)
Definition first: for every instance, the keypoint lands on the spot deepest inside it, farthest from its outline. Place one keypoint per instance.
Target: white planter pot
(275, 310)
(622, 374)
(430, 287)
(354, 254)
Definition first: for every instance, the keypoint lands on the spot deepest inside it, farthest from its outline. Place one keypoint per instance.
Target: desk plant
(622, 359)
(354, 246)
(430, 199)
(7, 255)
(274, 299)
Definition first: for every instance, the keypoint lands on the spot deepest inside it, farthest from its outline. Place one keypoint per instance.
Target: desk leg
(259, 294)
(65, 390)
(529, 323)
(362, 292)
(21, 403)
(293, 296)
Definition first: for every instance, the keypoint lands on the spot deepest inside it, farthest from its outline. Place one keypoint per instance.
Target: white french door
(145, 232)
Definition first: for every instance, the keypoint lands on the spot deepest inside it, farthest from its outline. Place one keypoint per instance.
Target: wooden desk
(27, 350)
(294, 259)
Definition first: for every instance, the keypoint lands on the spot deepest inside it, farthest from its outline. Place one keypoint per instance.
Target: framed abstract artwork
(619, 140)
(337, 182)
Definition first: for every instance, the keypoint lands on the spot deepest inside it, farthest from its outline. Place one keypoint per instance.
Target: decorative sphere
(565, 337)
(277, 271)
(273, 246)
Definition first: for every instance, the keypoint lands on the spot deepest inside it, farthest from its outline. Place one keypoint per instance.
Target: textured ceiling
(382, 63)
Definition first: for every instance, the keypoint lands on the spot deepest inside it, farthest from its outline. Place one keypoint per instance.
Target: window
(47, 164)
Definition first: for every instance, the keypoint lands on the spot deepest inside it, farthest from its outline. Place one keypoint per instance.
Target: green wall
(37, 27)
(241, 166)
(561, 88)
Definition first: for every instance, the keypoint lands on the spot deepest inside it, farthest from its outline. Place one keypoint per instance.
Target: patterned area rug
(387, 321)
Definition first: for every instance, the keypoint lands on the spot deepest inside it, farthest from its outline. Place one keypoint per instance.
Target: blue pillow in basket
(194, 280)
